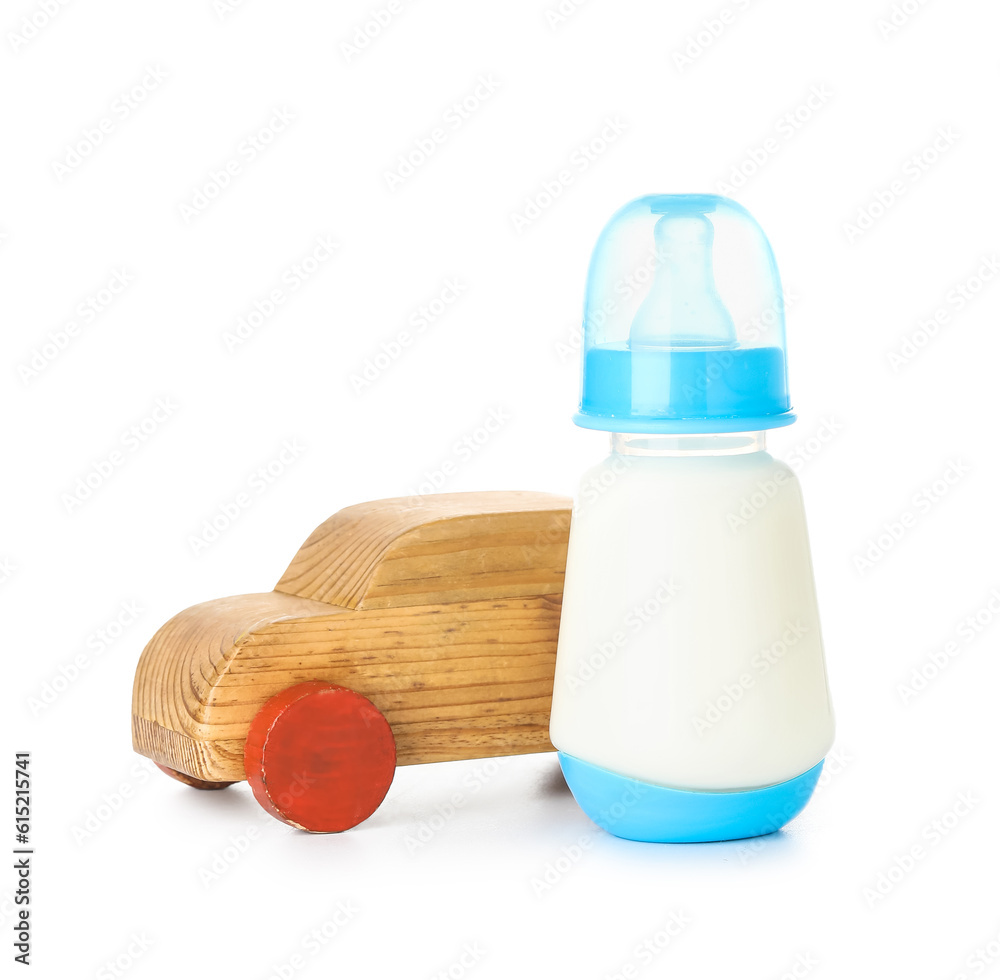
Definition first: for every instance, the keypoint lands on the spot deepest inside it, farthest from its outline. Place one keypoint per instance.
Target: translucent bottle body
(690, 655)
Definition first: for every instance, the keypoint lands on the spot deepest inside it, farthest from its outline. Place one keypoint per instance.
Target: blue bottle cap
(684, 326)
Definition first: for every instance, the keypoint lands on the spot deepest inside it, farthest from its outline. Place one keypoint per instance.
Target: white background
(873, 435)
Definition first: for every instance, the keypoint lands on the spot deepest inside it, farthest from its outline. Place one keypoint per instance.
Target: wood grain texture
(445, 547)
(459, 679)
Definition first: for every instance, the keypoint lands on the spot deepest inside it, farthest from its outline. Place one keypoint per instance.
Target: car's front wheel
(320, 757)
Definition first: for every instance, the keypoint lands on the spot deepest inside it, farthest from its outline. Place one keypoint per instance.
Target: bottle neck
(688, 444)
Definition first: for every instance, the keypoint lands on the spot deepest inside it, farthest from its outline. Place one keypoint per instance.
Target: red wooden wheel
(320, 757)
(183, 777)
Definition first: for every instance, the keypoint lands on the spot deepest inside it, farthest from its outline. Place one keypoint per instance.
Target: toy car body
(442, 611)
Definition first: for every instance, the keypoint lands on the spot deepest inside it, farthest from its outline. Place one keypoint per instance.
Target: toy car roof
(447, 547)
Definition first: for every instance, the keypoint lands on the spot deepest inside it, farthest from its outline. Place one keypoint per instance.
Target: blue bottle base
(643, 811)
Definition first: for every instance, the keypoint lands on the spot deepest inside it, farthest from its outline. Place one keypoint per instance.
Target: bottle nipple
(683, 308)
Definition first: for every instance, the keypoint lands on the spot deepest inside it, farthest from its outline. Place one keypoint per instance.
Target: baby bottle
(691, 699)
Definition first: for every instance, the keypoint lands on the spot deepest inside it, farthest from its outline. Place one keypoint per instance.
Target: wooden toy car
(404, 631)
